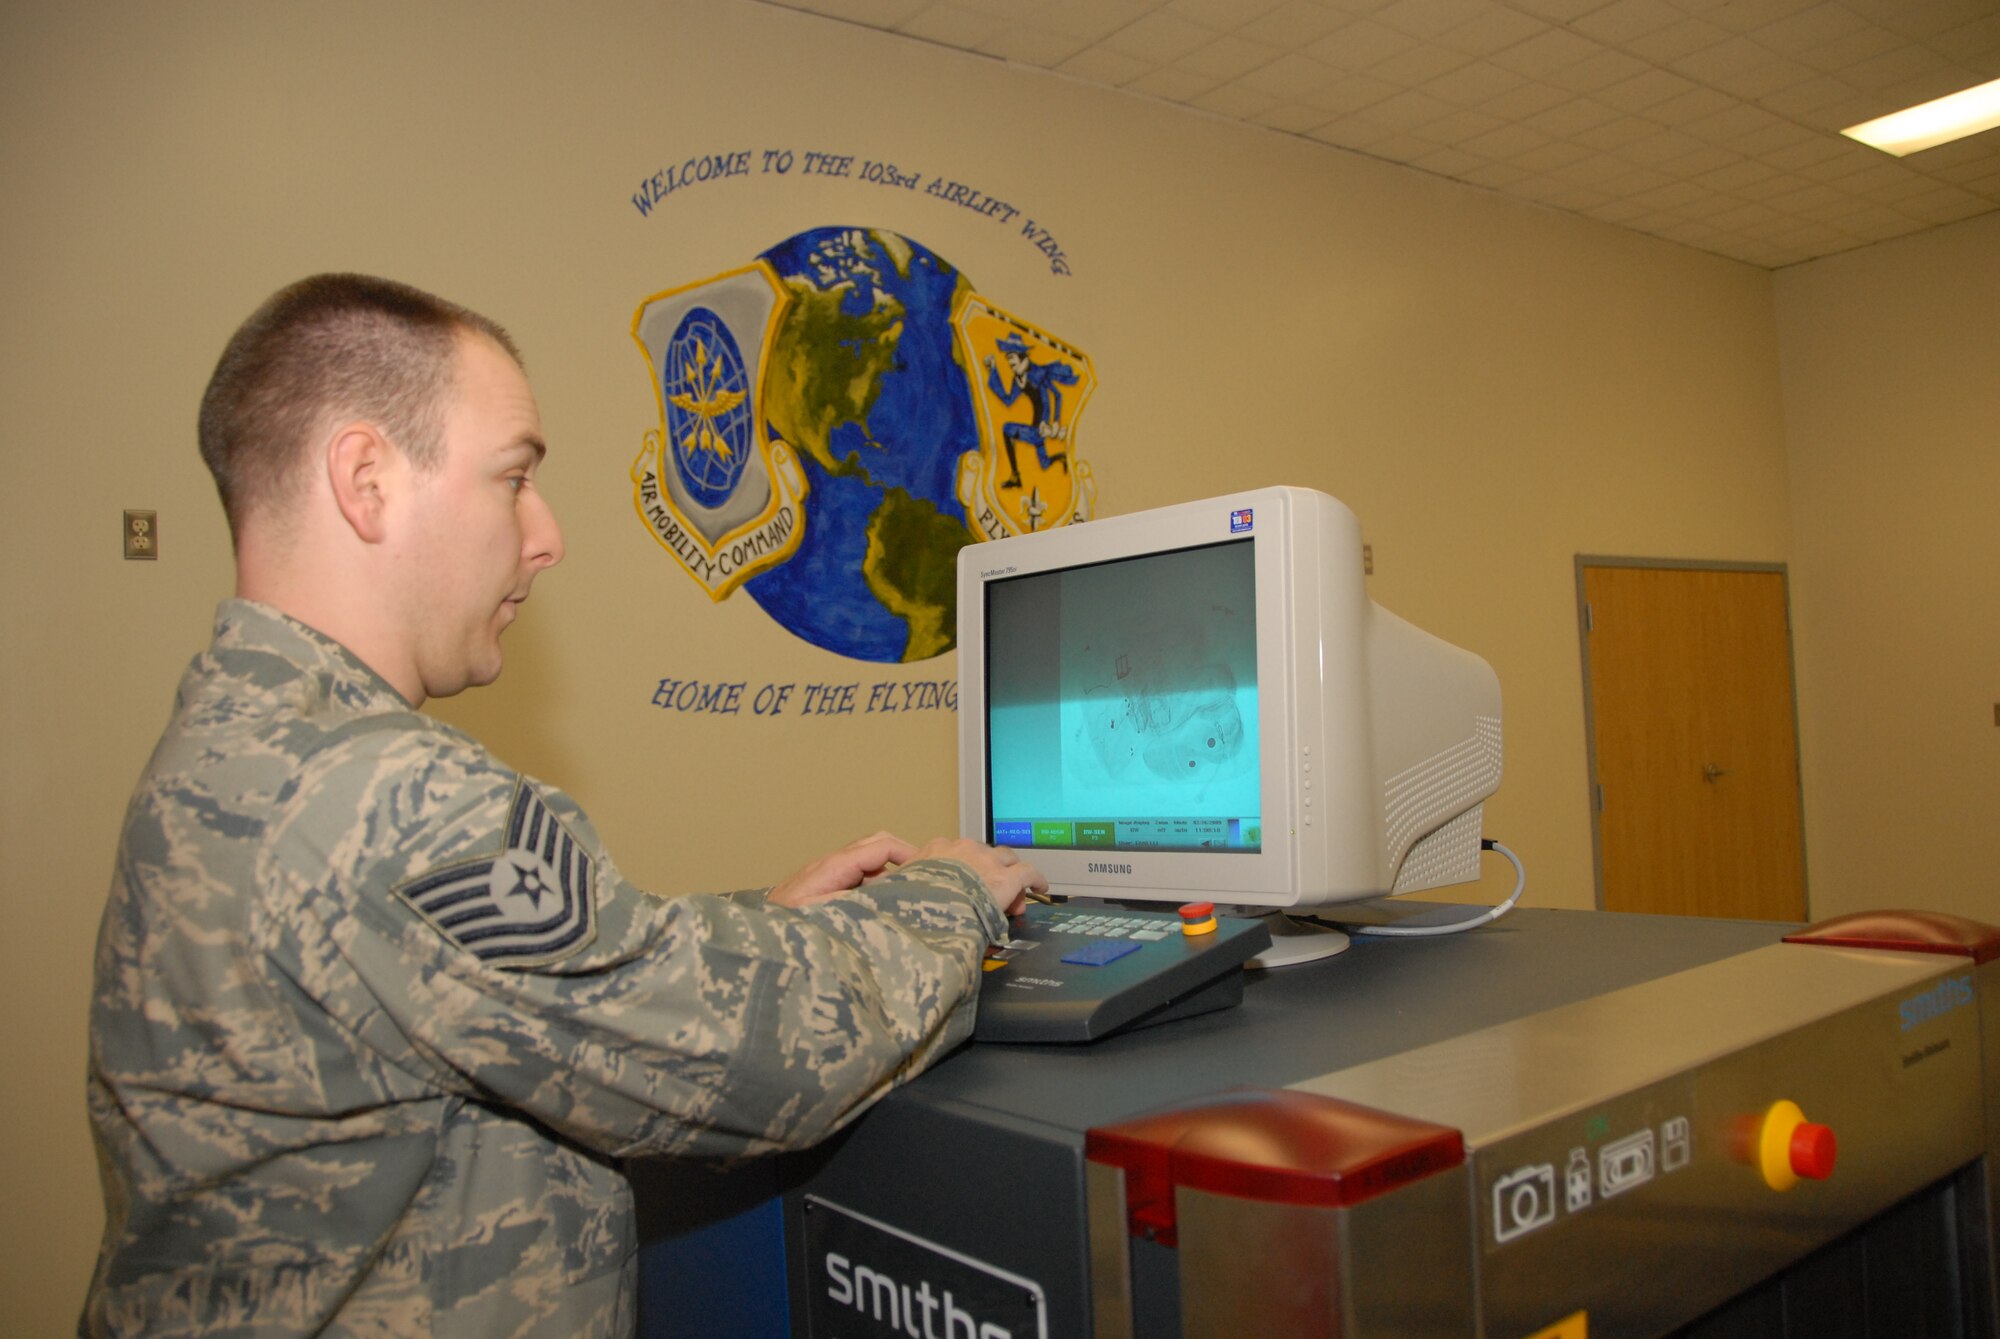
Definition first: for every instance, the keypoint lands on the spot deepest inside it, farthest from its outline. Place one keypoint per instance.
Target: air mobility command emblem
(715, 490)
(1030, 388)
(535, 902)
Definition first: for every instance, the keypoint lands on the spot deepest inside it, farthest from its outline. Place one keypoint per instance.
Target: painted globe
(866, 385)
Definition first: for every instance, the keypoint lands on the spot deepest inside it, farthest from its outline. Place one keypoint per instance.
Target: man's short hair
(326, 350)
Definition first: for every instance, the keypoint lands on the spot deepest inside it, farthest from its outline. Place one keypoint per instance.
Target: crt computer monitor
(1201, 702)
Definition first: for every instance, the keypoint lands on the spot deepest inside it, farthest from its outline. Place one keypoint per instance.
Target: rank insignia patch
(533, 903)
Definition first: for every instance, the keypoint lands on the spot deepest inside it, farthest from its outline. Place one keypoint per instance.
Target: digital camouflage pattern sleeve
(375, 1015)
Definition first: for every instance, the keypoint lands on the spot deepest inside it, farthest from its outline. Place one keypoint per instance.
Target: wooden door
(1694, 740)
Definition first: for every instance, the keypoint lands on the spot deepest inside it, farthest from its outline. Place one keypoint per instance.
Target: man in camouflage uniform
(375, 1015)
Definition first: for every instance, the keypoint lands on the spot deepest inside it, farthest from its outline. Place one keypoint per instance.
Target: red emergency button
(1790, 1147)
(1198, 918)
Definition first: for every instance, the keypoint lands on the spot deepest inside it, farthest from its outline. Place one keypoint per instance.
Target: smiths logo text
(1954, 993)
(897, 1305)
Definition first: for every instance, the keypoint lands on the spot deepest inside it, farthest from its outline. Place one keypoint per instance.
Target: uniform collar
(246, 629)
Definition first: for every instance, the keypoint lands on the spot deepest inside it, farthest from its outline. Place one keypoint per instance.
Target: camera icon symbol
(1523, 1200)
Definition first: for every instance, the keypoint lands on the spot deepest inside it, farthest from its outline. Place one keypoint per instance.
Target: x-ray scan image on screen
(1138, 679)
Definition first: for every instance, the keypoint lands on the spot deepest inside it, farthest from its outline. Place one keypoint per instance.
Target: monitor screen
(1122, 704)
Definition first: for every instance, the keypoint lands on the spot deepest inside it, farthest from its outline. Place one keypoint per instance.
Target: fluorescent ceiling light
(1932, 123)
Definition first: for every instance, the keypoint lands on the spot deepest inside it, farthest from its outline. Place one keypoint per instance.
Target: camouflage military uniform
(374, 1015)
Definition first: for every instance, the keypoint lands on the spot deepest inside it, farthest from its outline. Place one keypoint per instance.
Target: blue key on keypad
(1100, 951)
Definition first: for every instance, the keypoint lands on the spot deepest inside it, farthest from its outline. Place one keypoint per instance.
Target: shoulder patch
(533, 903)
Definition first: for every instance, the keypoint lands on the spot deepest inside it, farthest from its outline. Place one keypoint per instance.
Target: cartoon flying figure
(1042, 383)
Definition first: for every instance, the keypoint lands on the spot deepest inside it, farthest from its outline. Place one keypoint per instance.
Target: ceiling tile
(1551, 49)
(1616, 24)
(1292, 117)
(1800, 100)
(1524, 101)
(1496, 176)
(1470, 85)
(1221, 15)
(1360, 46)
(1091, 20)
(1427, 19)
(1507, 142)
(1032, 46)
(1650, 88)
(1552, 156)
(1228, 57)
(1459, 126)
(1733, 176)
(1732, 56)
(1169, 82)
(1707, 159)
(1761, 81)
(1420, 65)
(951, 25)
(1558, 11)
(1747, 15)
(874, 13)
(1407, 111)
(1349, 133)
(1864, 43)
(1234, 100)
(1822, 23)
(1350, 94)
(1692, 105)
(1160, 37)
(1115, 69)
(1596, 71)
(1492, 29)
(1292, 25)
(1664, 147)
(1725, 125)
(1613, 135)
(1675, 40)
(1448, 162)
(1567, 120)
(1291, 76)
(1814, 149)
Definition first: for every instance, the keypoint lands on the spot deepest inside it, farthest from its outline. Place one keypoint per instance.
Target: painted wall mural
(837, 420)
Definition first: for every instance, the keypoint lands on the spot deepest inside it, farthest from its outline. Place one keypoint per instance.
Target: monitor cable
(1459, 926)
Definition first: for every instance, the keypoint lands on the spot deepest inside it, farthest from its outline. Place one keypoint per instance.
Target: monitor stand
(1293, 941)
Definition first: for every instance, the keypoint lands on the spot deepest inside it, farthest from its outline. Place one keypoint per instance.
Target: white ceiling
(1712, 123)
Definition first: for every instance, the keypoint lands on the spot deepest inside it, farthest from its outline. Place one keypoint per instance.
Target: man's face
(481, 533)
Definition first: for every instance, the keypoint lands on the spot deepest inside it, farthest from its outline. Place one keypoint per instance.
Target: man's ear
(361, 465)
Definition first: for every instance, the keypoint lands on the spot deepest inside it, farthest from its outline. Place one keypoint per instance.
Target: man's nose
(543, 541)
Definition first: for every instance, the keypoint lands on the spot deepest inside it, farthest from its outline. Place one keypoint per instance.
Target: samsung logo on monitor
(1096, 868)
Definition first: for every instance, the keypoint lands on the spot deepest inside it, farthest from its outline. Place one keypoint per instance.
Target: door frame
(1594, 795)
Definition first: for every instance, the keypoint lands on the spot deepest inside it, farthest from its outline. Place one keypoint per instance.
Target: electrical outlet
(142, 534)
(1368, 560)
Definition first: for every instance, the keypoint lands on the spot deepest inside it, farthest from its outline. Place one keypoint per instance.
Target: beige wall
(1892, 408)
(1493, 388)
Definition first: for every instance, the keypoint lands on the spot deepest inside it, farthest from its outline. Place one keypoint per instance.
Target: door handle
(1711, 772)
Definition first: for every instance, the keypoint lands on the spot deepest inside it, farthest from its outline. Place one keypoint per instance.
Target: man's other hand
(1006, 877)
